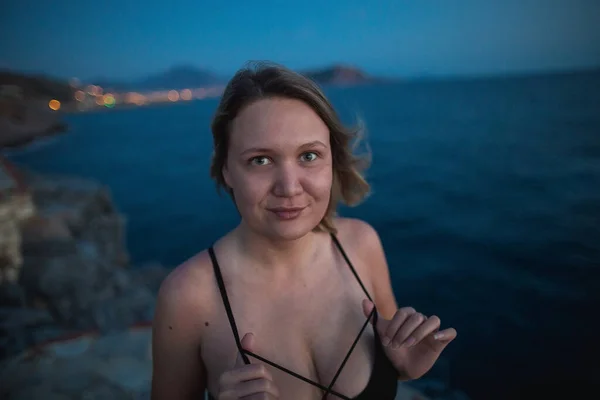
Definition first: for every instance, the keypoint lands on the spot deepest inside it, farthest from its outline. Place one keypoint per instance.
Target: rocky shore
(70, 281)
(75, 274)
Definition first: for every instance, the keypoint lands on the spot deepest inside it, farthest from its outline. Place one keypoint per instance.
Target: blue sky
(126, 39)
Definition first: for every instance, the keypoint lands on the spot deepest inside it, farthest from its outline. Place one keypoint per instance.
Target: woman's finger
(407, 328)
(257, 387)
(246, 373)
(430, 325)
(259, 396)
(445, 336)
(399, 318)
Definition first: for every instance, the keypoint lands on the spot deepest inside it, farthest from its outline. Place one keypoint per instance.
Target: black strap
(221, 284)
(320, 386)
(327, 390)
(341, 249)
(339, 371)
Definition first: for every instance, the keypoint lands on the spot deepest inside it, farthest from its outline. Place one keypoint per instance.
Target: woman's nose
(287, 181)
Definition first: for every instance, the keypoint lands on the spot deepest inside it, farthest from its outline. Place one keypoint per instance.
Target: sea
(485, 192)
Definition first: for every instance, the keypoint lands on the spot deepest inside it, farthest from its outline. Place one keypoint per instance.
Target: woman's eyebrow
(251, 150)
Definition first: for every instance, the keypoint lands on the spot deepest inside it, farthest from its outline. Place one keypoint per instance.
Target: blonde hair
(266, 80)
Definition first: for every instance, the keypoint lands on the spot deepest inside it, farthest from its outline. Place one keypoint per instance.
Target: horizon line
(396, 76)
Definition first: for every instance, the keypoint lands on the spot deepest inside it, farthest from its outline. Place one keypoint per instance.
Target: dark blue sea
(486, 193)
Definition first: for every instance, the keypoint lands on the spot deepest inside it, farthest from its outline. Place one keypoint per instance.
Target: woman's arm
(177, 370)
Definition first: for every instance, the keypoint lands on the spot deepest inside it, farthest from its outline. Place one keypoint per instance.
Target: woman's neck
(274, 255)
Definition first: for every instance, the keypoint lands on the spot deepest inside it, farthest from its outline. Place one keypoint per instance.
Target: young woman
(279, 308)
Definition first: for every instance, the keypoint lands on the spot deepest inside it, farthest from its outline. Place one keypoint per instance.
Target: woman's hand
(412, 342)
(247, 381)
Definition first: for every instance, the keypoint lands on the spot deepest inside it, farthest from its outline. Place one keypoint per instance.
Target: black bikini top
(383, 382)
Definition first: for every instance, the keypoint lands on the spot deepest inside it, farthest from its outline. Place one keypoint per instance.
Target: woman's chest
(309, 335)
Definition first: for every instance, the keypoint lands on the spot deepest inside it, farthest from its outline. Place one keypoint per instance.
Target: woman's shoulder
(187, 288)
(357, 234)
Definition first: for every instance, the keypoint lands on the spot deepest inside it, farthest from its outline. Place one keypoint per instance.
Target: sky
(405, 38)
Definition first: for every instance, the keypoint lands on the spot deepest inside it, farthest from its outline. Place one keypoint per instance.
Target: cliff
(74, 273)
(33, 86)
(25, 113)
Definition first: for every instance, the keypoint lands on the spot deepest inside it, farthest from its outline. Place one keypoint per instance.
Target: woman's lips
(286, 213)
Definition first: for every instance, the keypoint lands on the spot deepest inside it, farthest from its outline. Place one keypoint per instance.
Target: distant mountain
(179, 77)
(339, 75)
(182, 77)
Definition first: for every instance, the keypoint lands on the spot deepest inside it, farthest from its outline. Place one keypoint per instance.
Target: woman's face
(279, 166)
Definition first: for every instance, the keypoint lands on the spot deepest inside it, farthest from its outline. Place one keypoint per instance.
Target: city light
(89, 97)
(173, 95)
(186, 94)
(54, 104)
(109, 100)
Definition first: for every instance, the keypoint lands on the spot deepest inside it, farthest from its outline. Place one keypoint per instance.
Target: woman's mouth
(286, 213)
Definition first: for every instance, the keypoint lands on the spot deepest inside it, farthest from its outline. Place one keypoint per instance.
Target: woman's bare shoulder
(358, 234)
(188, 289)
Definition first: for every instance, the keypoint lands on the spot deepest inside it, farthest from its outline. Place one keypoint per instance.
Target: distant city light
(173, 95)
(109, 100)
(91, 96)
(186, 94)
(54, 104)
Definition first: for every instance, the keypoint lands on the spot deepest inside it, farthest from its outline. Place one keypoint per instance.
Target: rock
(105, 391)
(16, 206)
(43, 334)
(130, 343)
(73, 269)
(136, 304)
(38, 392)
(12, 295)
(40, 228)
(150, 276)
(15, 316)
(128, 373)
(70, 348)
(17, 325)
(107, 232)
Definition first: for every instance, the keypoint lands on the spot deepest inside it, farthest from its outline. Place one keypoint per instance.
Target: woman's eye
(260, 160)
(309, 156)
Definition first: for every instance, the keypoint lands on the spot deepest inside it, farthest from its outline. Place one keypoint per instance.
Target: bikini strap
(223, 291)
(341, 249)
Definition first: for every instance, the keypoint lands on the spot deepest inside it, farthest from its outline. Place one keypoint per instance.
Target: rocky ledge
(74, 275)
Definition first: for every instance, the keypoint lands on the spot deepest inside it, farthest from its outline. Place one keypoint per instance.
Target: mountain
(339, 75)
(182, 77)
(179, 77)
